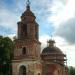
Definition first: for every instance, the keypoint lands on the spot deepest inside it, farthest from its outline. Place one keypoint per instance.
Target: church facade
(28, 58)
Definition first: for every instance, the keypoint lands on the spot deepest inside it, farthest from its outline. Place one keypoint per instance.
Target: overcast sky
(55, 17)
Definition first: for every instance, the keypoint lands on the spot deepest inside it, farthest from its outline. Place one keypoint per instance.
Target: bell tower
(27, 34)
(28, 27)
(27, 46)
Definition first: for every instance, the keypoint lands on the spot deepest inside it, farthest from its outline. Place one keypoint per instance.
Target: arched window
(24, 50)
(38, 73)
(22, 70)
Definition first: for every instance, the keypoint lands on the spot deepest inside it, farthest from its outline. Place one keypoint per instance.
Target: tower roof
(28, 12)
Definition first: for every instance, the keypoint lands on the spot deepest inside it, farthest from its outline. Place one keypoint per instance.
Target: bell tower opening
(25, 29)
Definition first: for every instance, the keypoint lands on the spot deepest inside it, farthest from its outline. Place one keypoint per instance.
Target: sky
(56, 18)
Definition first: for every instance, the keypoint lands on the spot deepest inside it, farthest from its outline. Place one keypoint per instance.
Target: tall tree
(72, 70)
(6, 54)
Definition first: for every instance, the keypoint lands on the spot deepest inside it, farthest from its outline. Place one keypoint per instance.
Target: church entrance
(22, 70)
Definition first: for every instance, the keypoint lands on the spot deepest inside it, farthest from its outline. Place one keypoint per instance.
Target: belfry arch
(22, 70)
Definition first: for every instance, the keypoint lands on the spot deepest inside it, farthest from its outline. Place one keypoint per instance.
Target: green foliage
(6, 48)
(72, 70)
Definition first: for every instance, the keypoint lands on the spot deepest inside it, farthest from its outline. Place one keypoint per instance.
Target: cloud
(63, 1)
(43, 39)
(67, 30)
(63, 19)
(5, 31)
(56, 10)
(10, 12)
(12, 36)
(61, 12)
(7, 18)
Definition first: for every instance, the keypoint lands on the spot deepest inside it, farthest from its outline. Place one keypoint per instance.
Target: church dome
(52, 49)
(53, 53)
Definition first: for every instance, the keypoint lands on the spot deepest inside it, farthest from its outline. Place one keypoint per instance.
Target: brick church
(28, 58)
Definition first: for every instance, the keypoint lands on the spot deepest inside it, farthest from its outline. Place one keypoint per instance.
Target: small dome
(51, 49)
(53, 53)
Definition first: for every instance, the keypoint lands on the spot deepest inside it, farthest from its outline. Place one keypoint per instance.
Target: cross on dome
(28, 3)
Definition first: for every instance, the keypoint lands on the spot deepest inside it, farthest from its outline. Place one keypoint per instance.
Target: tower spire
(28, 4)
